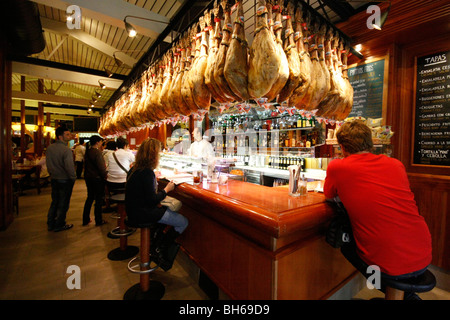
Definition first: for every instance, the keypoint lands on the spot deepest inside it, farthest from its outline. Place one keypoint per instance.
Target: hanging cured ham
(346, 107)
(298, 95)
(133, 110)
(283, 71)
(149, 110)
(175, 97)
(219, 78)
(264, 60)
(186, 92)
(165, 88)
(293, 59)
(236, 66)
(140, 113)
(322, 84)
(215, 37)
(337, 94)
(200, 92)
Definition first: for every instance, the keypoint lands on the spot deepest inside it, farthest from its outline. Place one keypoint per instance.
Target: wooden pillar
(23, 142)
(48, 124)
(6, 194)
(40, 122)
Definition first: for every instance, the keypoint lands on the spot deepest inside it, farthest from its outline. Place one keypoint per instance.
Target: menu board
(367, 81)
(432, 112)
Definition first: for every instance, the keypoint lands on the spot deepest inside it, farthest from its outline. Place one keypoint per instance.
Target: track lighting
(101, 84)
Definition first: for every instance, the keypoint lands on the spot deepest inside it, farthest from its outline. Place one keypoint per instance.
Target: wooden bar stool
(146, 289)
(395, 289)
(122, 231)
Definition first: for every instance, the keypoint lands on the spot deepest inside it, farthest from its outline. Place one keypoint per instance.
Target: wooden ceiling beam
(113, 12)
(57, 74)
(43, 97)
(93, 42)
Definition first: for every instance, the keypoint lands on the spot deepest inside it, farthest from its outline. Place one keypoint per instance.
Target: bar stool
(146, 289)
(122, 232)
(114, 212)
(395, 289)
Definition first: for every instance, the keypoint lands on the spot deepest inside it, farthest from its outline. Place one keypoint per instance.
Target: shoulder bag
(118, 163)
(171, 203)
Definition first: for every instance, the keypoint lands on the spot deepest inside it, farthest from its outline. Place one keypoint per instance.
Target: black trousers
(79, 165)
(95, 192)
(349, 252)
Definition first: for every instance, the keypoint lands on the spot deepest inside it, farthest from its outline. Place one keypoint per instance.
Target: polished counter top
(269, 209)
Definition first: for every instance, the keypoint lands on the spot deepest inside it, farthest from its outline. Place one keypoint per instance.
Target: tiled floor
(34, 262)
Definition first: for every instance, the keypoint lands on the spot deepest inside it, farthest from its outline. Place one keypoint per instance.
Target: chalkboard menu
(367, 81)
(432, 112)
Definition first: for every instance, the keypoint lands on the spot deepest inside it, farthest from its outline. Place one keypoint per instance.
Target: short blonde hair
(355, 136)
(148, 154)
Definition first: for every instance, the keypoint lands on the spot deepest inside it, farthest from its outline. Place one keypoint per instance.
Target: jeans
(95, 191)
(61, 193)
(349, 252)
(172, 218)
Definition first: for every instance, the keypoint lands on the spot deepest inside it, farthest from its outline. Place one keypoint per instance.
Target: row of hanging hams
(292, 59)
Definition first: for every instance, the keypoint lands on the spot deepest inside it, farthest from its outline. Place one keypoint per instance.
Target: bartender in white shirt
(200, 147)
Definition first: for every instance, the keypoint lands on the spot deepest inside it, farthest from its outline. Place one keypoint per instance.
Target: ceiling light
(98, 94)
(108, 72)
(383, 19)
(101, 84)
(94, 99)
(131, 30)
(118, 61)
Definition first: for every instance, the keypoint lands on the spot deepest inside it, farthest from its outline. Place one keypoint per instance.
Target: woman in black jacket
(95, 177)
(142, 198)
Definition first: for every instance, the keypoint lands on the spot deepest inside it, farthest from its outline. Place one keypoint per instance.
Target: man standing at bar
(61, 168)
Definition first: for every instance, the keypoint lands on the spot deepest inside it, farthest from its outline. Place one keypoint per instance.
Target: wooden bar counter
(257, 242)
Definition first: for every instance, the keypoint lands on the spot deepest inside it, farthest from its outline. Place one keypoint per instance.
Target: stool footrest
(136, 268)
(122, 233)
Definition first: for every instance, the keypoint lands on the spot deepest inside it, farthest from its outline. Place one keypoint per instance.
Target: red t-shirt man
(387, 227)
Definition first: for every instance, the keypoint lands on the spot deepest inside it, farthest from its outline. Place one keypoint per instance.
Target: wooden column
(48, 124)
(40, 122)
(23, 142)
(6, 215)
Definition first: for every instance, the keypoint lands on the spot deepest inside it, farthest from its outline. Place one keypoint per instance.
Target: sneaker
(66, 227)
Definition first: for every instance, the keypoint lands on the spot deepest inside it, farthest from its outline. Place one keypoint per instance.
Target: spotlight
(101, 84)
(131, 30)
(118, 61)
(98, 94)
(108, 72)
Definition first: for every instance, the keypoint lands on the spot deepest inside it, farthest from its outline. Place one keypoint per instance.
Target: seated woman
(388, 230)
(142, 199)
